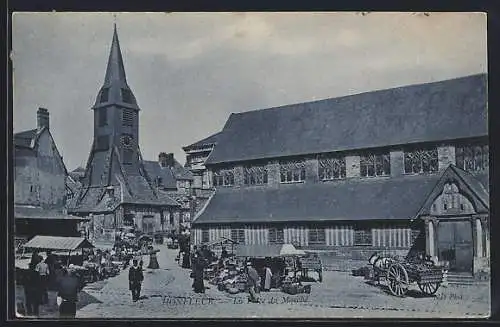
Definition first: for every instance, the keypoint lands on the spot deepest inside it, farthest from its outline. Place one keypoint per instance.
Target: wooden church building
(117, 188)
(390, 170)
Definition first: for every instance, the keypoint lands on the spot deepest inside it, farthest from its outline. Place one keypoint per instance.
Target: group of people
(44, 273)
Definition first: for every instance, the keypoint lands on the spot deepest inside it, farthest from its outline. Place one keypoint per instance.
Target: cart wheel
(429, 288)
(397, 279)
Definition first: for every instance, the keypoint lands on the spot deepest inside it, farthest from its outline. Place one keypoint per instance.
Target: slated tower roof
(115, 89)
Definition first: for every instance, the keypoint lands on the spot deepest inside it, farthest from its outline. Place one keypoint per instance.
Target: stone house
(170, 177)
(389, 171)
(40, 184)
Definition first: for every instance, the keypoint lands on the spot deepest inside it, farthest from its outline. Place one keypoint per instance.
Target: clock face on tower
(126, 141)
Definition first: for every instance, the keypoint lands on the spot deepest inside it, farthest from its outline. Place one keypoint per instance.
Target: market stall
(218, 244)
(281, 259)
(67, 252)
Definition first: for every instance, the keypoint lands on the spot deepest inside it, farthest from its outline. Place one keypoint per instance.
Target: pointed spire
(115, 89)
(115, 70)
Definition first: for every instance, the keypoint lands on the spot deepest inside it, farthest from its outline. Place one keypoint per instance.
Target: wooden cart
(400, 274)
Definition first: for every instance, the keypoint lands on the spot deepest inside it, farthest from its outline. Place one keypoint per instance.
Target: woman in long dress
(198, 285)
(153, 261)
(267, 278)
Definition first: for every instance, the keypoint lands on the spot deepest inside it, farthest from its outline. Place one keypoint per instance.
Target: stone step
(464, 279)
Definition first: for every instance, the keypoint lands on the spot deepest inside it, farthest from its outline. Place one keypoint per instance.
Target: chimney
(166, 159)
(162, 159)
(42, 116)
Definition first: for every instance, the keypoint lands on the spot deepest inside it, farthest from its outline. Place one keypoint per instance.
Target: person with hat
(135, 278)
(253, 283)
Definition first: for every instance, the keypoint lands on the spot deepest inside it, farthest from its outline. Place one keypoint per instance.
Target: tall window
(104, 95)
(238, 235)
(419, 161)
(128, 117)
(276, 236)
(224, 177)
(103, 117)
(205, 236)
(127, 96)
(317, 236)
(472, 157)
(375, 165)
(292, 171)
(331, 167)
(255, 175)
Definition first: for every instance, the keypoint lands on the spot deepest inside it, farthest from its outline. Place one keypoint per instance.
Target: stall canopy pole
(69, 257)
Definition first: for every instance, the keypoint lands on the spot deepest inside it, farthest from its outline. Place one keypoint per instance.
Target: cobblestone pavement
(167, 293)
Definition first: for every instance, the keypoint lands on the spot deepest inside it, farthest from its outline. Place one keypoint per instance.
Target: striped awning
(42, 242)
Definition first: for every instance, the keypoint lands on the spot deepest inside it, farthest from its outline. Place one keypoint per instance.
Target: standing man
(253, 283)
(67, 295)
(32, 291)
(135, 278)
(43, 270)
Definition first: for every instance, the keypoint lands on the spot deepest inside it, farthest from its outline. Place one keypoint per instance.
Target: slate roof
(444, 110)
(24, 138)
(154, 170)
(130, 188)
(72, 184)
(211, 140)
(479, 184)
(34, 212)
(169, 176)
(359, 199)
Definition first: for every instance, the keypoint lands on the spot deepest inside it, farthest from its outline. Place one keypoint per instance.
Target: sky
(190, 71)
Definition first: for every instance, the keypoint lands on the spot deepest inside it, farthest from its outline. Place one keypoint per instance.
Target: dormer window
(255, 175)
(376, 164)
(292, 171)
(127, 96)
(472, 157)
(331, 167)
(104, 95)
(223, 177)
(421, 160)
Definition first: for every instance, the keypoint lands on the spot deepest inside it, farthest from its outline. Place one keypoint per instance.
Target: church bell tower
(116, 113)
